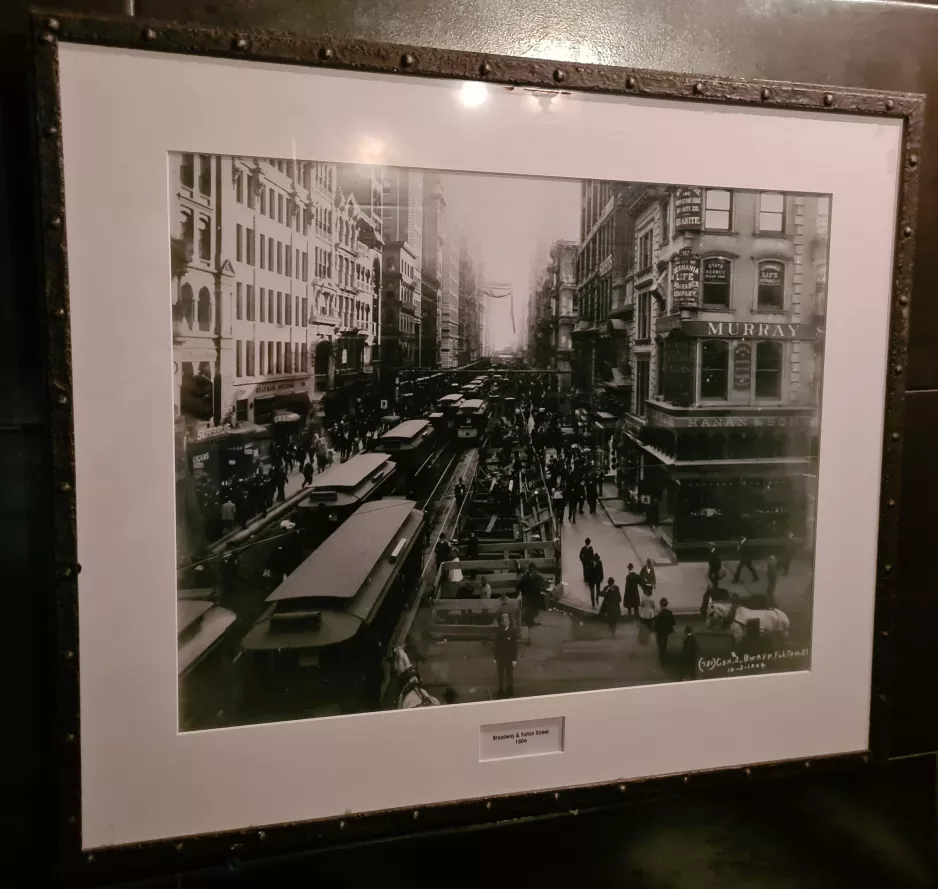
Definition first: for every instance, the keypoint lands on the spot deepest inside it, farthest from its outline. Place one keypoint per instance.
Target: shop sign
(742, 367)
(685, 279)
(659, 419)
(605, 266)
(688, 209)
(753, 330)
(770, 274)
(287, 386)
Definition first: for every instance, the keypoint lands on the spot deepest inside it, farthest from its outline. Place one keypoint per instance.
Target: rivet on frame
(828, 99)
(67, 571)
(630, 82)
(766, 94)
(327, 53)
(897, 370)
(178, 847)
(890, 503)
(687, 779)
(560, 75)
(903, 300)
(55, 222)
(913, 160)
(408, 61)
(49, 131)
(807, 763)
(698, 88)
(341, 825)
(556, 796)
(70, 738)
(241, 43)
(894, 436)
(89, 857)
(416, 814)
(747, 773)
(69, 655)
(890, 104)
(884, 633)
(65, 487)
(887, 568)
(62, 399)
(488, 805)
(881, 697)
(866, 758)
(907, 231)
(622, 788)
(261, 835)
(59, 312)
(52, 24)
(72, 819)
(485, 69)
(149, 34)
(47, 37)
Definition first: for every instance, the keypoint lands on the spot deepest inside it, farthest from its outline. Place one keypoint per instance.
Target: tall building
(729, 291)
(433, 270)
(449, 295)
(402, 263)
(469, 332)
(244, 280)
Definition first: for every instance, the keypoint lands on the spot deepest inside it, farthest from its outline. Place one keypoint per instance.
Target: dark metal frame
(174, 855)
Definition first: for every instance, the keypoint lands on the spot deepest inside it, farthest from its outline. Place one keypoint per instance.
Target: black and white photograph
(450, 437)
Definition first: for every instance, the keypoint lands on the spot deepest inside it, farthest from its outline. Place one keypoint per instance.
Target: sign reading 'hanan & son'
(685, 279)
(688, 209)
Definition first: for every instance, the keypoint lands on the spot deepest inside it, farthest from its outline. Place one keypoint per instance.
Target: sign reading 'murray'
(753, 330)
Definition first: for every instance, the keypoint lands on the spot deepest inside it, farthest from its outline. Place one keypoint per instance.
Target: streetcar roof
(452, 397)
(407, 430)
(349, 475)
(471, 404)
(351, 556)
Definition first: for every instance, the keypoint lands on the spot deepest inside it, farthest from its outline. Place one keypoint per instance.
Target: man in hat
(664, 627)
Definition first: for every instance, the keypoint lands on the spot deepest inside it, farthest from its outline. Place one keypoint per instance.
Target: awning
(286, 417)
(617, 325)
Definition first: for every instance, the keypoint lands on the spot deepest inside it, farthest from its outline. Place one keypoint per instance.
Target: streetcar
(336, 493)
(410, 445)
(472, 420)
(320, 646)
(448, 406)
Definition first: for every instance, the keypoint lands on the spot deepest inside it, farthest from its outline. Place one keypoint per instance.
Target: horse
(773, 623)
(412, 692)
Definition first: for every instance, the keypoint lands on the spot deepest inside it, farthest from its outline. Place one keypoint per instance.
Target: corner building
(729, 292)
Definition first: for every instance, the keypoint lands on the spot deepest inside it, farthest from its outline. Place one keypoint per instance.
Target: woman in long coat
(610, 610)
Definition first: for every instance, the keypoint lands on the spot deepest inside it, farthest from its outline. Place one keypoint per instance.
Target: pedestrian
(714, 564)
(486, 588)
(689, 650)
(472, 547)
(647, 576)
(664, 627)
(443, 551)
(586, 555)
(609, 610)
(506, 655)
(592, 494)
(595, 576)
(558, 504)
(459, 492)
(744, 550)
(322, 452)
(633, 584)
(787, 554)
(279, 478)
(307, 474)
(228, 515)
(529, 588)
(647, 611)
(573, 499)
(771, 572)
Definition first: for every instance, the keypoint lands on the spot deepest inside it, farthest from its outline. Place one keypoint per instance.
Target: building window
(187, 171)
(239, 301)
(249, 358)
(205, 238)
(644, 316)
(287, 362)
(250, 302)
(249, 245)
(288, 310)
(238, 367)
(288, 271)
(305, 310)
(270, 254)
(714, 369)
(280, 307)
(306, 266)
(186, 304)
(279, 258)
(644, 251)
(642, 381)
(261, 358)
(239, 237)
(263, 252)
(823, 215)
(296, 358)
(279, 358)
(771, 289)
(771, 212)
(188, 232)
(251, 187)
(666, 219)
(262, 194)
(718, 212)
(305, 358)
(270, 306)
(297, 265)
(205, 174)
(279, 208)
(239, 187)
(296, 314)
(205, 309)
(768, 370)
(270, 357)
(716, 281)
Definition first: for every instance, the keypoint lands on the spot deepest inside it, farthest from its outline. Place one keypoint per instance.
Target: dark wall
(878, 45)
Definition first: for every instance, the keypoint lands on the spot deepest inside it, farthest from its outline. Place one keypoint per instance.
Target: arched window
(716, 281)
(205, 309)
(714, 369)
(186, 304)
(771, 287)
(768, 370)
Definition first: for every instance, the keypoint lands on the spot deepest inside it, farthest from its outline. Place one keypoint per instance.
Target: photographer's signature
(749, 663)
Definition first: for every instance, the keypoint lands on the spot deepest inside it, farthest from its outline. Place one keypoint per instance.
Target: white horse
(773, 623)
(412, 692)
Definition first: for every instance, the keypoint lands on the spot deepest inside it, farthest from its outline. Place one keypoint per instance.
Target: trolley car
(410, 445)
(341, 489)
(320, 646)
(472, 420)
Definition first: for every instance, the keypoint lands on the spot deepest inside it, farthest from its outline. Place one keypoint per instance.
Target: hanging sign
(688, 209)
(742, 367)
(685, 279)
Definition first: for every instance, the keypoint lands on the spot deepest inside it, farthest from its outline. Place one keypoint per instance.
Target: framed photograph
(352, 347)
